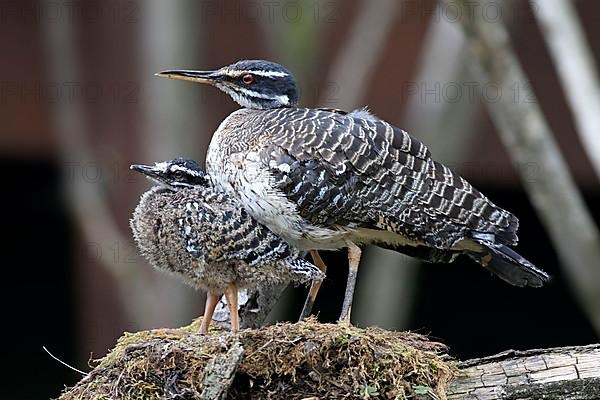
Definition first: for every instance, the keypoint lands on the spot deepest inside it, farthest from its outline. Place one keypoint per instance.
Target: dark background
(62, 285)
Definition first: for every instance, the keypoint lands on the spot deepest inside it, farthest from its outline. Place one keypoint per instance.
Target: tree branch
(329, 361)
(357, 58)
(569, 50)
(87, 200)
(528, 138)
(560, 373)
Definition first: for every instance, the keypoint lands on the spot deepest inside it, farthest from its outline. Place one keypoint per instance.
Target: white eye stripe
(283, 99)
(186, 170)
(258, 72)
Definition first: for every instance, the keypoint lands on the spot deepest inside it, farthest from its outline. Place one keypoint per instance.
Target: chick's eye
(248, 79)
(178, 175)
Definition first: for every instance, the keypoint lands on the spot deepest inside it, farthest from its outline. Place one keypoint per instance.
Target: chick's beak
(148, 170)
(209, 77)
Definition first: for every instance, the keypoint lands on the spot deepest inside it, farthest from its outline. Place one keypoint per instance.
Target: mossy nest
(306, 360)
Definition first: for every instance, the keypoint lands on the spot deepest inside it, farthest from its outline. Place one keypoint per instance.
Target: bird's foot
(209, 308)
(310, 299)
(345, 319)
(314, 287)
(354, 254)
(231, 295)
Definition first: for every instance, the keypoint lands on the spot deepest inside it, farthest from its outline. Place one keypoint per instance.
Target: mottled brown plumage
(208, 239)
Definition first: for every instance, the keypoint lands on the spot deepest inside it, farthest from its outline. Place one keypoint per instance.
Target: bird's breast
(234, 164)
(246, 179)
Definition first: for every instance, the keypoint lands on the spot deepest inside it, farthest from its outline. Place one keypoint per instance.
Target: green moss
(291, 361)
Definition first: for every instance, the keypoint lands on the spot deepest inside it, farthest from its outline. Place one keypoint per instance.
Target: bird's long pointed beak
(208, 77)
(148, 170)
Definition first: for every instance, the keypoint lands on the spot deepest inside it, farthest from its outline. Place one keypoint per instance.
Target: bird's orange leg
(354, 254)
(209, 309)
(315, 285)
(231, 294)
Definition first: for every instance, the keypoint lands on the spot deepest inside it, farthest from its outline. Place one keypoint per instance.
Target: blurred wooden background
(79, 103)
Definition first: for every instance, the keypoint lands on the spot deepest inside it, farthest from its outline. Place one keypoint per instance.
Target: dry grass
(284, 361)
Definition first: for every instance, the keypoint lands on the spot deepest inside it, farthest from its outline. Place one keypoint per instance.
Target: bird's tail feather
(510, 266)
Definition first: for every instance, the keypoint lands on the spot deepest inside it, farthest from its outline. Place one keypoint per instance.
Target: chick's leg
(231, 294)
(314, 287)
(354, 254)
(209, 308)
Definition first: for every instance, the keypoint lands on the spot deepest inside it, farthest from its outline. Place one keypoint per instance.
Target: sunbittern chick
(327, 179)
(184, 227)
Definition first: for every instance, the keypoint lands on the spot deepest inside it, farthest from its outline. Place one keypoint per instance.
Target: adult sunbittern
(327, 179)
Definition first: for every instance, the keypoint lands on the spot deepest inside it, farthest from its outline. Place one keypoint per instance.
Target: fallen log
(309, 360)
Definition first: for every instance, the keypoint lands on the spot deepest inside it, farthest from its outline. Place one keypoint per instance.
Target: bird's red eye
(248, 79)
